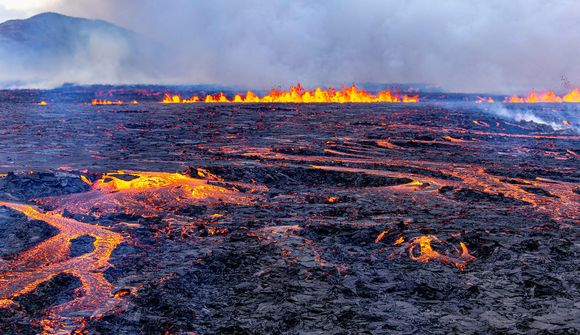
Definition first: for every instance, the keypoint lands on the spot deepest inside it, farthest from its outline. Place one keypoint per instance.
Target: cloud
(461, 45)
(7, 14)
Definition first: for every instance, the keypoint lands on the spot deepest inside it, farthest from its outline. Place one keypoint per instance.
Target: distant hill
(50, 49)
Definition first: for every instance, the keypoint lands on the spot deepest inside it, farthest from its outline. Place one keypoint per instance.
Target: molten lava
(420, 249)
(297, 94)
(52, 257)
(146, 194)
(546, 97)
(142, 193)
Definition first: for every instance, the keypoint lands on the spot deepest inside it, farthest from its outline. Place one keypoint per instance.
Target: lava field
(431, 218)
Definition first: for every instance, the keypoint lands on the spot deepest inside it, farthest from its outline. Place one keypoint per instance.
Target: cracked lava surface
(165, 219)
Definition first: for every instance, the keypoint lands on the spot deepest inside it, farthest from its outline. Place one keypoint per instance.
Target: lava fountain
(297, 94)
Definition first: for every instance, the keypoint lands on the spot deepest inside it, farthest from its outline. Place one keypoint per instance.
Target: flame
(573, 96)
(297, 94)
(98, 102)
(176, 99)
(481, 100)
(546, 97)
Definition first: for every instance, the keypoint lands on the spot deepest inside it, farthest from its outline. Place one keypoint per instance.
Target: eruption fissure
(546, 97)
(297, 94)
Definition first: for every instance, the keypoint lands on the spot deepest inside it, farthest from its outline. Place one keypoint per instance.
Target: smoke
(461, 45)
(555, 121)
(51, 50)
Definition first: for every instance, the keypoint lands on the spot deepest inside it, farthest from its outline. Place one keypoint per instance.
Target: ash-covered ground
(289, 219)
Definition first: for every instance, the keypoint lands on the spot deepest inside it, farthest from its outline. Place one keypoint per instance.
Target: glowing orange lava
(297, 94)
(145, 194)
(420, 249)
(51, 257)
(142, 193)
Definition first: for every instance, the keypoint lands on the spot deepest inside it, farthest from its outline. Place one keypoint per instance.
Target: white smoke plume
(460, 45)
(556, 122)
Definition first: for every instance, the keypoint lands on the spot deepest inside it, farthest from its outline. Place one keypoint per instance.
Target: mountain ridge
(49, 49)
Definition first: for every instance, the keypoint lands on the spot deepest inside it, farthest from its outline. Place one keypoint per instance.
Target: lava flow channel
(51, 258)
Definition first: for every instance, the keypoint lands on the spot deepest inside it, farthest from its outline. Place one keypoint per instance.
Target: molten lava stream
(51, 258)
(562, 207)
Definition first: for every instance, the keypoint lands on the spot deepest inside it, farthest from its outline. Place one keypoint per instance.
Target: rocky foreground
(291, 219)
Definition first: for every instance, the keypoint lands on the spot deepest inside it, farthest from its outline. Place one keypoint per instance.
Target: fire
(98, 102)
(546, 97)
(481, 100)
(297, 94)
(176, 99)
(573, 96)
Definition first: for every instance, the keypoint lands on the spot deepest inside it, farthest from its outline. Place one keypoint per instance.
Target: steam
(557, 124)
(82, 53)
(463, 46)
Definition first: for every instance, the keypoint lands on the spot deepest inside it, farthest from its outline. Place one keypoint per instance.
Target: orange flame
(481, 100)
(546, 97)
(176, 99)
(297, 94)
(97, 102)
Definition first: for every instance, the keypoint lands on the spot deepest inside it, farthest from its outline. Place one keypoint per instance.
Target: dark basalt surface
(82, 245)
(22, 187)
(17, 233)
(319, 251)
(31, 306)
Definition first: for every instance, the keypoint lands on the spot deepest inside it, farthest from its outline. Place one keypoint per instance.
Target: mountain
(50, 49)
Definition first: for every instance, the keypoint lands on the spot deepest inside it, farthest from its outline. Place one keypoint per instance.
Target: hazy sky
(461, 45)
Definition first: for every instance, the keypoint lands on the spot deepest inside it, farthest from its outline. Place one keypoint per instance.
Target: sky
(460, 45)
